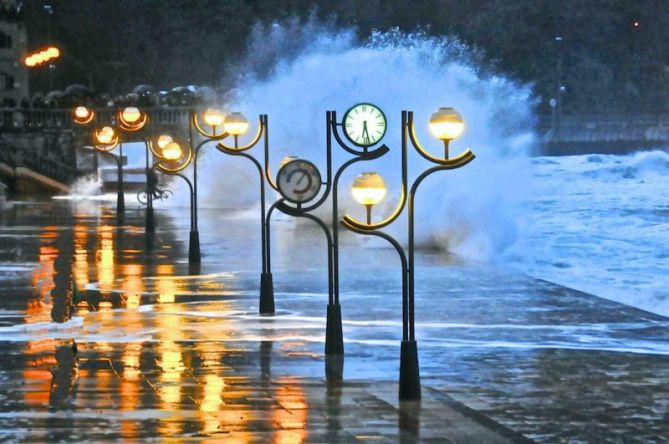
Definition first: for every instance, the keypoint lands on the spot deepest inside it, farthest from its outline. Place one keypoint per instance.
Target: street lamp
(299, 183)
(106, 139)
(368, 189)
(214, 118)
(128, 120)
(172, 151)
(445, 124)
(132, 120)
(83, 115)
(174, 156)
(236, 124)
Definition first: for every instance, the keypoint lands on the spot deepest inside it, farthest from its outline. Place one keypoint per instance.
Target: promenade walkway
(162, 352)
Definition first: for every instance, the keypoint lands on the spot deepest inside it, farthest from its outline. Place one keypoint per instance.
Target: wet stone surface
(151, 348)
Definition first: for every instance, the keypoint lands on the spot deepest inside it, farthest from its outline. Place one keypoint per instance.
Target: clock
(364, 124)
(298, 181)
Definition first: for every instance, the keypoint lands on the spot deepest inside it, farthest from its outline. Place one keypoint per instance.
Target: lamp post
(173, 159)
(213, 118)
(129, 120)
(299, 183)
(132, 120)
(105, 139)
(236, 124)
(445, 124)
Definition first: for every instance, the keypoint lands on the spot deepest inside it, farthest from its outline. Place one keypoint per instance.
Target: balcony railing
(13, 119)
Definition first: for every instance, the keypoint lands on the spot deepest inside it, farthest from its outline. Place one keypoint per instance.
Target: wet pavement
(149, 348)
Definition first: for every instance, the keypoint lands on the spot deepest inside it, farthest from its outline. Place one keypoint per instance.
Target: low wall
(47, 155)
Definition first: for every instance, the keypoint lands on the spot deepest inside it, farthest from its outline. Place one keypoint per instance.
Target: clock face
(299, 181)
(364, 124)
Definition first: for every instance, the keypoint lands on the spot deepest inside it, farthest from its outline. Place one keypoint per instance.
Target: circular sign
(364, 124)
(298, 181)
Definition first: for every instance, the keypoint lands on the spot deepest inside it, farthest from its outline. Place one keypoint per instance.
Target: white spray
(296, 72)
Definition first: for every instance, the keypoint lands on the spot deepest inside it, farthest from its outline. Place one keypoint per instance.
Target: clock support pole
(334, 343)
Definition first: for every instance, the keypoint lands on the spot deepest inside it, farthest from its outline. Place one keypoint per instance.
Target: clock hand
(365, 133)
(300, 179)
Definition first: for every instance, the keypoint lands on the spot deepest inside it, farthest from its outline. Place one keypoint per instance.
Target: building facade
(13, 46)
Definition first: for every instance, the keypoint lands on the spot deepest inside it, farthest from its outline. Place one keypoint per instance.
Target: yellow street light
(369, 189)
(235, 124)
(131, 115)
(163, 140)
(446, 124)
(53, 52)
(83, 115)
(286, 160)
(105, 135)
(172, 151)
(213, 117)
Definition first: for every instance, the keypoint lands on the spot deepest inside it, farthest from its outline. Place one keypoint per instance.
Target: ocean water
(600, 224)
(595, 223)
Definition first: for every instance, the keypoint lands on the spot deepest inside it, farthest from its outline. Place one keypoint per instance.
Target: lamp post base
(409, 372)
(334, 370)
(334, 339)
(194, 248)
(266, 294)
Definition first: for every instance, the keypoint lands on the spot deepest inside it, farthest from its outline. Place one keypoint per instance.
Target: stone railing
(13, 119)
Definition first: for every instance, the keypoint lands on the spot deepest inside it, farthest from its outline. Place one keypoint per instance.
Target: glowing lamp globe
(30, 61)
(213, 117)
(172, 151)
(163, 140)
(369, 189)
(446, 124)
(236, 124)
(53, 52)
(287, 159)
(105, 135)
(81, 112)
(131, 114)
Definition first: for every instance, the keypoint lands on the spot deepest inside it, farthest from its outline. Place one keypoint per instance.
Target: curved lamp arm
(335, 132)
(132, 127)
(370, 155)
(351, 222)
(354, 224)
(261, 128)
(268, 171)
(106, 148)
(212, 136)
(405, 267)
(458, 161)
